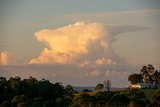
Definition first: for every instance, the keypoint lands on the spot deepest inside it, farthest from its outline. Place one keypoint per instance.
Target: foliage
(107, 85)
(135, 94)
(156, 96)
(148, 74)
(102, 97)
(138, 103)
(31, 92)
(87, 90)
(120, 99)
(149, 93)
(17, 92)
(82, 99)
(135, 78)
(99, 87)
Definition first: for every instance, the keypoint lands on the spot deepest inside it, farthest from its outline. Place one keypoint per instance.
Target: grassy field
(148, 92)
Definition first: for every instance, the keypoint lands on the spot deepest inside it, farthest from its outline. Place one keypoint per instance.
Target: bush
(119, 100)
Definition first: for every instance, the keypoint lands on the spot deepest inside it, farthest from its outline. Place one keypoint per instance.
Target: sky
(79, 42)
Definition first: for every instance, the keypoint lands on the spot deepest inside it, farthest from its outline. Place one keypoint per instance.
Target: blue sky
(21, 19)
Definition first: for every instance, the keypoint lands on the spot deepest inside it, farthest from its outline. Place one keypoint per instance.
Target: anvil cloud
(81, 42)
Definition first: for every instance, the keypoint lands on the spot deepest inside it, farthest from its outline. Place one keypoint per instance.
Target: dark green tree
(82, 100)
(155, 100)
(119, 100)
(135, 78)
(135, 94)
(30, 92)
(99, 87)
(102, 97)
(87, 90)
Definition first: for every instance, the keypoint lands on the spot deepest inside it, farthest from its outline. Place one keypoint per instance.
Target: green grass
(148, 92)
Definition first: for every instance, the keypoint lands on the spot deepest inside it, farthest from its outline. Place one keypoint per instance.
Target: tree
(82, 100)
(99, 87)
(149, 74)
(135, 78)
(155, 77)
(155, 100)
(102, 97)
(158, 78)
(2, 78)
(135, 94)
(150, 69)
(69, 94)
(69, 90)
(31, 92)
(107, 85)
(119, 100)
(139, 103)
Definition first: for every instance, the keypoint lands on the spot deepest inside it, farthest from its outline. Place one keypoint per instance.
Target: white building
(142, 85)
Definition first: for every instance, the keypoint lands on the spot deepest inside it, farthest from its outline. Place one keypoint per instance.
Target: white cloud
(4, 58)
(80, 42)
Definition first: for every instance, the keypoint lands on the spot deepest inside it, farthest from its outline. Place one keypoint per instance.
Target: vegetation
(155, 101)
(31, 92)
(99, 87)
(148, 74)
(107, 85)
(135, 78)
(149, 93)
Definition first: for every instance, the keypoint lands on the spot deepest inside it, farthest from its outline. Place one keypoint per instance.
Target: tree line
(30, 92)
(17, 92)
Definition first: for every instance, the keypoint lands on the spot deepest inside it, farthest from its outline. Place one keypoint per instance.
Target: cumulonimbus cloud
(4, 58)
(79, 42)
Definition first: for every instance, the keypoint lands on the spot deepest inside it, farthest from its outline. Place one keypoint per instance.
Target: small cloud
(109, 61)
(101, 61)
(95, 73)
(85, 63)
(53, 74)
(116, 74)
(107, 73)
(4, 58)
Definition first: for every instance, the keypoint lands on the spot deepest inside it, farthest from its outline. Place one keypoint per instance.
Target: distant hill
(81, 88)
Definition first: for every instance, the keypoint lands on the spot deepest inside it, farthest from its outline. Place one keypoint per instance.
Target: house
(142, 85)
(137, 85)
